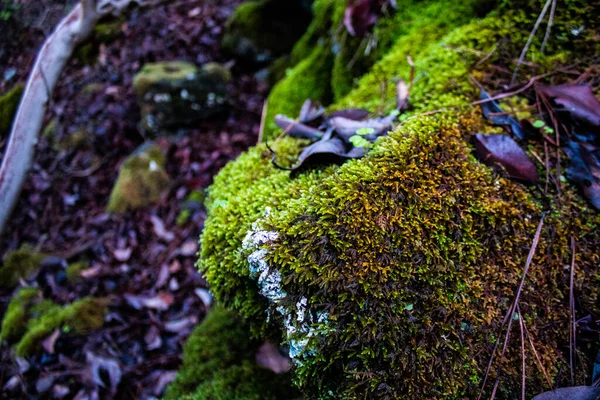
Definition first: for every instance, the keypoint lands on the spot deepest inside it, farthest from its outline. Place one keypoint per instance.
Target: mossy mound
(142, 179)
(19, 264)
(29, 319)
(263, 30)
(219, 363)
(389, 277)
(9, 103)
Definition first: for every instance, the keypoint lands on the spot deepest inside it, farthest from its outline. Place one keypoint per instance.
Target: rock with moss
(219, 363)
(177, 94)
(19, 264)
(390, 276)
(9, 102)
(141, 181)
(260, 31)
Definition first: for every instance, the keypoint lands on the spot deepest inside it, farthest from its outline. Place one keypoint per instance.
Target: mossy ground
(219, 363)
(142, 178)
(18, 264)
(9, 102)
(414, 252)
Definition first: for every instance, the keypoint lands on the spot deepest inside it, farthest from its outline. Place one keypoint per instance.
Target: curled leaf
(492, 111)
(355, 114)
(578, 100)
(297, 129)
(311, 111)
(346, 128)
(329, 151)
(501, 151)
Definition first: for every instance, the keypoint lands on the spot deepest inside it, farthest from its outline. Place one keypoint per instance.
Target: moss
(92, 88)
(262, 30)
(389, 276)
(9, 103)
(309, 79)
(79, 139)
(219, 363)
(79, 317)
(74, 271)
(108, 31)
(14, 322)
(51, 129)
(19, 264)
(154, 73)
(142, 178)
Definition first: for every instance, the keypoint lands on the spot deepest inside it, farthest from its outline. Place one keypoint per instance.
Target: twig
(537, 357)
(263, 115)
(572, 326)
(550, 20)
(522, 351)
(529, 40)
(487, 57)
(547, 165)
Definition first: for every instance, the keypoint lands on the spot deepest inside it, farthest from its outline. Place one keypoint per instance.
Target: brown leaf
(322, 152)
(501, 151)
(297, 129)
(571, 393)
(311, 111)
(161, 302)
(356, 114)
(578, 100)
(269, 357)
(584, 169)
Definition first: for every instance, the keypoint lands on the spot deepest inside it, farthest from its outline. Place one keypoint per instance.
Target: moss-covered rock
(177, 94)
(142, 179)
(19, 264)
(389, 277)
(219, 363)
(9, 103)
(262, 30)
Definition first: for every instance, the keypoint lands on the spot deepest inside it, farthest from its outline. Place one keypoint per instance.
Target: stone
(178, 94)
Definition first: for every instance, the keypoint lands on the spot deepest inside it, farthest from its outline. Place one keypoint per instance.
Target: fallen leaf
(269, 357)
(204, 295)
(361, 15)
(322, 152)
(98, 364)
(502, 151)
(491, 108)
(50, 341)
(189, 248)
(571, 393)
(44, 383)
(160, 303)
(60, 391)
(153, 339)
(346, 128)
(311, 111)
(578, 100)
(584, 169)
(123, 255)
(180, 325)
(356, 114)
(297, 129)
(159, 229)
(164, 379)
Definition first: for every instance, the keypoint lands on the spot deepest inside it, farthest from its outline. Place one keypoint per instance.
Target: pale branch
(50, 61)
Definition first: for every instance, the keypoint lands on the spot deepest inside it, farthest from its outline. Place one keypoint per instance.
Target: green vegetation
(219, 363)
(9, 102)
(142, 179)
(14, 323)
(19, 264)
(390, 275)
(74, 271)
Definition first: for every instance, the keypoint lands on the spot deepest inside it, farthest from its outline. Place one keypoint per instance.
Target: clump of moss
(142, 179)
(389, 276)
(79, 139)
(262, 30)
(74, 271)
(19, 264)
(9, 102)
(14, 323)
(219, 362)
(79, 317)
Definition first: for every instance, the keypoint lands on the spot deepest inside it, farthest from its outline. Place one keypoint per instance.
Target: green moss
(108, 31)
(9, 103)
(79, 317)
(19, 264)
(142, 179)
(219, 363)
(407, 259)
(79, 139)
(14, 322)
(155, 73)
(309, 79)
(51, 129)
(74, 271)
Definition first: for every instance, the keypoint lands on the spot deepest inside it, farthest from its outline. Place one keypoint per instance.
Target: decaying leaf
(361, 15)
(571, 393)
(501, 151)
(329, 151)
(311, 111)
(269, 357)
(584, 169)
(112, 368)
(297, 129)
(578, 100)
(356, 114)
(492, 111)
(346, 128)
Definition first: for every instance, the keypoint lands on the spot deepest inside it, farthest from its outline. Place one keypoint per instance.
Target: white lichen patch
(299, 322)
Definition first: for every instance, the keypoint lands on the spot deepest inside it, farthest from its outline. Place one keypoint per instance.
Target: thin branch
(261, 129)
(522, 352)
(537, 357)
(572, 322)
(529, 40)
(550, 20)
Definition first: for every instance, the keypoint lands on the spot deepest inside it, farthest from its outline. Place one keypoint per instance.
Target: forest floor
(143, 261)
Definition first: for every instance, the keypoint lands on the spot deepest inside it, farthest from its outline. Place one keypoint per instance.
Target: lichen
(411, 254)
(142, 178)
(9, 102)
(219, 362)
(79, 317)
(19, 264)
